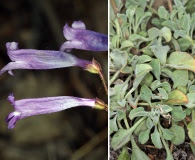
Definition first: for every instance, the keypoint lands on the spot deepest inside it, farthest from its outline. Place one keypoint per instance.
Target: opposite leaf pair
(79, 38)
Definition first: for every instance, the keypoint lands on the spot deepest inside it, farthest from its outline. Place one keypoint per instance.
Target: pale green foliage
(152, 76)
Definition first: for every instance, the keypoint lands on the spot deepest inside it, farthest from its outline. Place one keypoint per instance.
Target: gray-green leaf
(179, 134)
(149, 123)
(177, 113)
(146, 94)
(113, 124)
(120, 138)
(144, 136)
(191, 130)
(163, 13)
(166, 108)
(191, 100)
(166, 32)
(124, 155)
(163, 93)
(181, 60)
(167, 134)
(155, 64)
(137, 153)
(160, 52)
(137, 112)
(155, 137)
(180, 78)
(140, 71)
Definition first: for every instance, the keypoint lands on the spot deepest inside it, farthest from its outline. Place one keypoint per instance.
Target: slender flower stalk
(39, 59)
(80, 38)
(35, 106)
(96, 69)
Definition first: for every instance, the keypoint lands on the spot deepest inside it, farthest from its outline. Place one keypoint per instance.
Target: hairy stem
(152, 10)
(115, 9)
(103, 81)
(113, 5)
(114, 77)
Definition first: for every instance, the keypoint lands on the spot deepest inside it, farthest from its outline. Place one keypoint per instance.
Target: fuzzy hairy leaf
(146, 94)
(184, 44)
(113, 125)
(177, 97)
(147, 80)
(163, 93)
(170, 24)
(123, 136)
(155, 137)
(160, 52)
(155, 64)
(163, 13)
(121, 115)
(191, 100)
(126, 44)
(166, 32)
(154, 32)
(167, 134)
(137, 153)
(140, 72)
(179, 134)
(181, 60)
(191, 130)
(141, 127)
(177, 113)
(149, 123)
(118, 59)
(180, 78)
(166, 108)
(192, 146)
(143, 59)
(144, 136)
(137, 112)
(165, 85)
(124, 154)
(120, 138)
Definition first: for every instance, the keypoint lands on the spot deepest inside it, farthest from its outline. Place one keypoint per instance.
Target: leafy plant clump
(152, 70)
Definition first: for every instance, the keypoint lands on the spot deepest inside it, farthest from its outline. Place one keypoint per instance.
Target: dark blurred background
(77, 133)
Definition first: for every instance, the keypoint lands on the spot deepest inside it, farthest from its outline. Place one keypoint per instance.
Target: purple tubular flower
(39, 59)
(80, 38)
(30, 107)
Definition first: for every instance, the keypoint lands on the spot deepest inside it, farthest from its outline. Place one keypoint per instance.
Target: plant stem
(115, 9)
(131, 91)
(143, 104)
(169, 155)
(113, 5)
(151, 2)
(152, 10)
(103, 81)
(126, 123)
(137, 123)
(114, 77)
(119, 124)
(193, 114)
(170, 5)
(95, 67)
